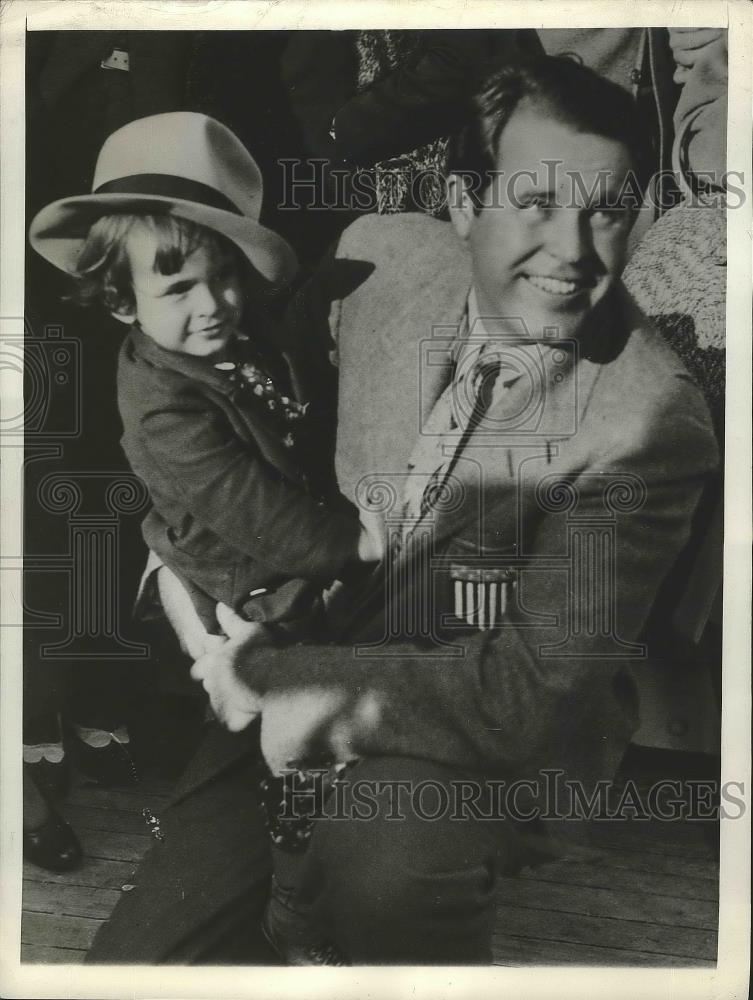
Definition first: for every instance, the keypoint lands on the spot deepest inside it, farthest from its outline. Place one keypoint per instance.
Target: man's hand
(316, 725)
(233, 702)
(296, 725)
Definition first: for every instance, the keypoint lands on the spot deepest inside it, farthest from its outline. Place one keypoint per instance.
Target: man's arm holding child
(506, 706)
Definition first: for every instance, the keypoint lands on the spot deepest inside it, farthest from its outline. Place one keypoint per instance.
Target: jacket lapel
(436, 363)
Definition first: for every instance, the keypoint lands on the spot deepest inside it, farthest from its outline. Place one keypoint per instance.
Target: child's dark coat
(233, 512)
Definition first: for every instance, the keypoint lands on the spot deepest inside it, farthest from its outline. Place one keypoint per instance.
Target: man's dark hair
(557, 85)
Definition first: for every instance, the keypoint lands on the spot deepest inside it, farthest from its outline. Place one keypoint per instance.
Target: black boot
(51, 843)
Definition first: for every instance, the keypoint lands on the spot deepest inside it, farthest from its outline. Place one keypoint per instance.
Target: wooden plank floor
(646, 895)
(61, 913)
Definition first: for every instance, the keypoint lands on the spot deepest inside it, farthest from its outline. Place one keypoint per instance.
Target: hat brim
(59, 230)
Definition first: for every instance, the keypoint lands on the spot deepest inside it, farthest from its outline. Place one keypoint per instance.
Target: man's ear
(461, 205)
(124, 317)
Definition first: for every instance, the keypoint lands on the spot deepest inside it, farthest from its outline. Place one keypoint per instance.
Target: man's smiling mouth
(558, 286)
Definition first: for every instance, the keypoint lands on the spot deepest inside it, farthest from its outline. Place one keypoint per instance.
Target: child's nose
(207, 299)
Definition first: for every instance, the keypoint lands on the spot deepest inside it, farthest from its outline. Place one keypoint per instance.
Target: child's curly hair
(103, 271)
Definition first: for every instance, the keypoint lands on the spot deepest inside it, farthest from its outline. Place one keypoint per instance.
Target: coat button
(635, 77)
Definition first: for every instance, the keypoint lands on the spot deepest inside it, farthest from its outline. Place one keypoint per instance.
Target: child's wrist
(368, 548)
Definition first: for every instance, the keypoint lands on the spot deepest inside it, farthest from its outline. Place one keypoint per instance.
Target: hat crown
(183, 163)
(188, 145)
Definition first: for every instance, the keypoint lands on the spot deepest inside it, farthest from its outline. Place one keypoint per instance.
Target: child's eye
(226, 272)
(180, 289)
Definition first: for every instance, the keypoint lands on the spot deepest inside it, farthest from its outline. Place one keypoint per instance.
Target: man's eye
(604, 218)
(179, 289)
(536, 207)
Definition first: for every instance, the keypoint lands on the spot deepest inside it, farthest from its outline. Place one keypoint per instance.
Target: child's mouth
(210, 332)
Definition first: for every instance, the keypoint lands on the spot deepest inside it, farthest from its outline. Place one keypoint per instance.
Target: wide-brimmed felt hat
(182, 163)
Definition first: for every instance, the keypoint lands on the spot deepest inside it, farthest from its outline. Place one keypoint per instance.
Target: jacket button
(635, 76)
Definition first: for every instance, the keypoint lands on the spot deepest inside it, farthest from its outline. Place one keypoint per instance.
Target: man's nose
(569, 235)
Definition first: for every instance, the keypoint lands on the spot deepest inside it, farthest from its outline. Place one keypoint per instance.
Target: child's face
(194, 311)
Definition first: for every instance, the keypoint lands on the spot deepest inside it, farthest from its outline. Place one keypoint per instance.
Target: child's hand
(240, 630)
(197, 644)
(371, 543)
(180, 611)
(233, 702)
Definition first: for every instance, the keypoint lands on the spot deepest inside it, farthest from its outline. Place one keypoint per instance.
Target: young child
(220, 420)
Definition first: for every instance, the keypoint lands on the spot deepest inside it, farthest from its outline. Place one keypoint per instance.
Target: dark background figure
(234, 76)
(383, 104)
(377, 107)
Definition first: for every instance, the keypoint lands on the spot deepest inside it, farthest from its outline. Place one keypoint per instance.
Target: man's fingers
(232, 716)
(236, 721)
(202, 667)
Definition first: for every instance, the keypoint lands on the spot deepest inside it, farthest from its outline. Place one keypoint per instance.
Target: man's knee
(367, 877)
(387, 875)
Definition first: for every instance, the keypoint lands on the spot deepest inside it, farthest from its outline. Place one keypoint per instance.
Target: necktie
(455, 416)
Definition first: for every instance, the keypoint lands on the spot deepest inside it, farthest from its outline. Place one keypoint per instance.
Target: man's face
(545, 248)
(194, 311)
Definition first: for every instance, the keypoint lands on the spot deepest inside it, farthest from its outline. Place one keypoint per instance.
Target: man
(538, 453)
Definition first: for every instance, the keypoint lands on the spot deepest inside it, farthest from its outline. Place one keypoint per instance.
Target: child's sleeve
(241, 498)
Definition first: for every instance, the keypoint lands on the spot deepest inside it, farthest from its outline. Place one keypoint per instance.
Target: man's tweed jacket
(588, 492)
(621, 427)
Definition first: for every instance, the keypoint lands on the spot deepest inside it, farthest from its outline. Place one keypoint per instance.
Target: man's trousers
(393, 875)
